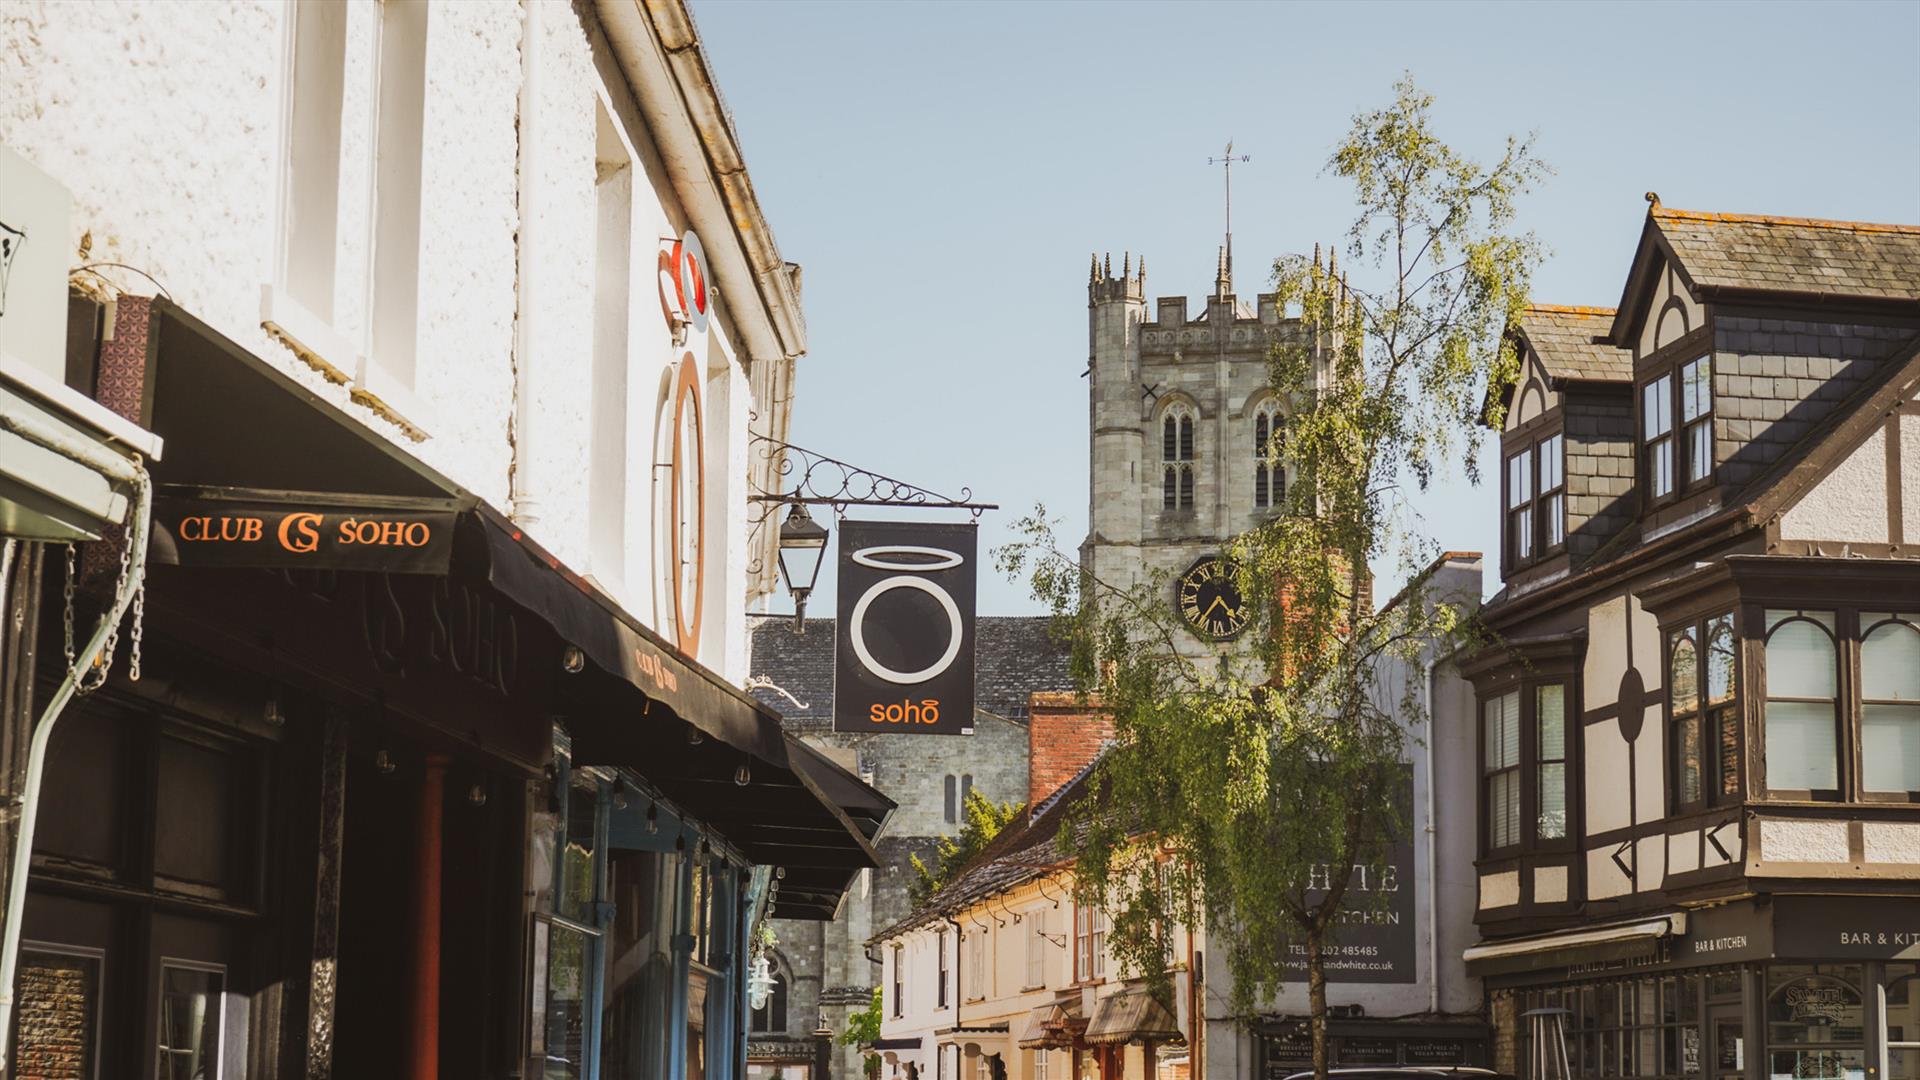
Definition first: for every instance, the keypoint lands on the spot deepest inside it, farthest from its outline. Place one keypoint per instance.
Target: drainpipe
(1432, 844)
(520, 496)
(123, 470)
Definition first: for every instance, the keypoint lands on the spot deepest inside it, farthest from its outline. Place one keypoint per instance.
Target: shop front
(1781, 988)
(1286, 1047)
(376, 787)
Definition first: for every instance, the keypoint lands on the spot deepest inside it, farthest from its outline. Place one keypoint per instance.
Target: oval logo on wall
(685, 297)
(904, 639)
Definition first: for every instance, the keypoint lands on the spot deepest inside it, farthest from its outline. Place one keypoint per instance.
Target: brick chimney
(1064, 733)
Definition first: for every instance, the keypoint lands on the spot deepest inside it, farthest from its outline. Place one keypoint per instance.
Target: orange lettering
(423, 534)
(390, 533)
(250, 529)
(299, 534)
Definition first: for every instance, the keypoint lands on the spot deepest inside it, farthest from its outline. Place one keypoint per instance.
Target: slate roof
(1572, 343)
(1014, 656)
(1024, 850)
(1752, 251)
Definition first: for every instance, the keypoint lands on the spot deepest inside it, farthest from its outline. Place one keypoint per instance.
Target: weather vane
(1225, 161)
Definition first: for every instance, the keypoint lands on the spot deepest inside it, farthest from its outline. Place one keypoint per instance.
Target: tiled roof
(1024, 850)
(1752, 251)
(1571, 345)
(1014, 656)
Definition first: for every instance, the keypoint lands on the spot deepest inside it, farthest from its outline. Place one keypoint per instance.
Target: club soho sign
(903, 644)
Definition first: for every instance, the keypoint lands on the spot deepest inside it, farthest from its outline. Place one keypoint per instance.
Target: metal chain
(89, 681)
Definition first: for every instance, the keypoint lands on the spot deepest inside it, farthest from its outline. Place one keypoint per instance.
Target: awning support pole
(131, 472)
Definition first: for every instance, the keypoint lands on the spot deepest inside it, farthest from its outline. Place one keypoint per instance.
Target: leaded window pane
(1722, 660)
(1684, 672)
(1890, 747)
(1801, 746)
(1519, 478)
(1657, 407)
(1890, 663)
(1800, 662)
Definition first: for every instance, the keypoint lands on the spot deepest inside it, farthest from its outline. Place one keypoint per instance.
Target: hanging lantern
(760, 982)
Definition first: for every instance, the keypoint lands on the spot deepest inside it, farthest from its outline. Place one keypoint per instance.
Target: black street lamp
(803, 545)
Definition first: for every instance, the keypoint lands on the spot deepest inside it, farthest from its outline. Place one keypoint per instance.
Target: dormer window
(1673, 459)
(1176, 458)
(1269, 442)
(1536, 500)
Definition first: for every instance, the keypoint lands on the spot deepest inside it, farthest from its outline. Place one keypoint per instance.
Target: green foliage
(981, 819)
(1248, 779)
(863, 1028)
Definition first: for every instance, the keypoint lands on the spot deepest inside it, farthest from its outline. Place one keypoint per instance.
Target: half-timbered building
(1699, 726)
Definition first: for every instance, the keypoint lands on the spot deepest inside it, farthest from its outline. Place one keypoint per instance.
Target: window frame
(1529, 762)
(1084, 961)
(899, 980)
(1269, 468)
(1540, 434)
(1891, 615)
(1179, 456)
(1846, 735)
(1671, 363)
(1035, 973)
(941, 997)
(1715, 766)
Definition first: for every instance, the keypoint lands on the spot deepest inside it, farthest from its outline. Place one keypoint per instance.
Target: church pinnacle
(1223, 277)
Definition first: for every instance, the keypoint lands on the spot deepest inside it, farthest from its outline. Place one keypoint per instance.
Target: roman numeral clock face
(1208, 601)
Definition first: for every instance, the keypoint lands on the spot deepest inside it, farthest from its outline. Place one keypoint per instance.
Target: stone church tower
(1179, 415)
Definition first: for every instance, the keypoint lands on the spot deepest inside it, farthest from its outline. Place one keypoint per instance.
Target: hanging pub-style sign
(903, 642)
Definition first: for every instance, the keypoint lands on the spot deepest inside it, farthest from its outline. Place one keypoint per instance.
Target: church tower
(1179, 412)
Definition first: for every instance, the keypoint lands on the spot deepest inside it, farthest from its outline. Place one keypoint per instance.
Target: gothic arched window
(1176, 458)
(1269, 443)
(771, 1018)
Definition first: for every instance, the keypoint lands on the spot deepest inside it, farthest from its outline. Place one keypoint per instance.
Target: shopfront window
(1646, 1027)
(1815, 1022)
(1903, 1021)
(636, 1004)
(190, 1021)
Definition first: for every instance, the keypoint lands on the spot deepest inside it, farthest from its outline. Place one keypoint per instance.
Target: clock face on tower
(1208, 601)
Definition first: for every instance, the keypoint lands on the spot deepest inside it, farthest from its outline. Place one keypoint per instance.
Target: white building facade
(495, 267)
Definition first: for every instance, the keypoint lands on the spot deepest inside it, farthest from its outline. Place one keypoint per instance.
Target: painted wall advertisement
(903, 645)
(1376, 941)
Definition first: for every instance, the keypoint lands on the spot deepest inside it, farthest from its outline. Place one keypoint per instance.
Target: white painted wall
(168, 121)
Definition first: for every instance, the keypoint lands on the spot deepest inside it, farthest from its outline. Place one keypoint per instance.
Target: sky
(943, 170)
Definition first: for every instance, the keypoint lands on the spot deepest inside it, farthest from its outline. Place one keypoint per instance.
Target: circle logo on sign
(690, 278)
(856, 633)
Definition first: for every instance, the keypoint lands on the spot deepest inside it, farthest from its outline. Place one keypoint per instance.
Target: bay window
(1802, 743)
(1704, 725)
(1889, 703)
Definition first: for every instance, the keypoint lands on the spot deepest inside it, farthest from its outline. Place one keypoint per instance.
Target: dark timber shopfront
(1789, 988)
(423, 805)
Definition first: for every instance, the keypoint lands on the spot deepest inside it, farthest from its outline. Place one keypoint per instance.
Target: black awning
(688, 732)
(236, 427)
(230, 419)
(896, 1044)
(861, 801)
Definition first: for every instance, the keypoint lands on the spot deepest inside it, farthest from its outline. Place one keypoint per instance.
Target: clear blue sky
(943, 170)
